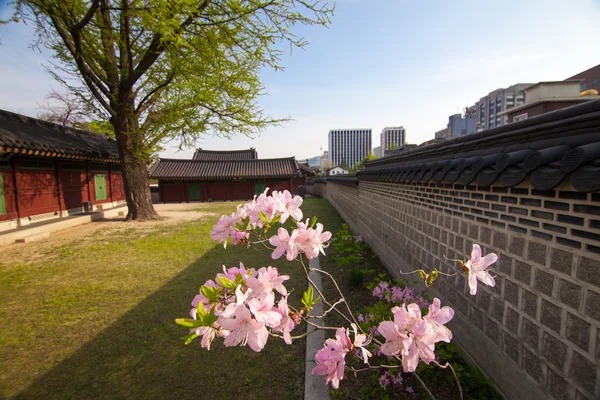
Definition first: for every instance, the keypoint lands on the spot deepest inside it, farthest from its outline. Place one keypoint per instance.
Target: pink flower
(244, 329)
(408, 336)
(222, 229)
(284, 243)
(409, 389)
(267, 280)
(291, 206)
(397, 380)
(239, 237)
(331, 358)
(437, 318)
(477, 266)
(208, 334)
(384, 380)
(361, 340)
(286, 324)
(310, 241)
(263, 310)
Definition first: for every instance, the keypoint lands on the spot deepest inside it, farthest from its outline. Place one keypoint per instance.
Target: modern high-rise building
(392, 137)
(488, 107)
(348, 146)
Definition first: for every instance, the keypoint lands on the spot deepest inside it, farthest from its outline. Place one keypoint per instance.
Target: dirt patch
(82, 235)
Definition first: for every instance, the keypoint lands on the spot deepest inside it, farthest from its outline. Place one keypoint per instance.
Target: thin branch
(447, 365)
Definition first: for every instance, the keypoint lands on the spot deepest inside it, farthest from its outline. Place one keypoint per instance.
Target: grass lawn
(95, 318)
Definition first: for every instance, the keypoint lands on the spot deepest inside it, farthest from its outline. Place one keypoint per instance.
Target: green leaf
(188, 323)
(211, 293)
(313, 222)
(226, 282)
(188, 339)
(263, 217)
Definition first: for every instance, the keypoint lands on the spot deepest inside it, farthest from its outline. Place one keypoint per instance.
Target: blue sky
(380, 63)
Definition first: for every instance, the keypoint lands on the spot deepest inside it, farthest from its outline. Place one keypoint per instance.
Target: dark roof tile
(26, 135)
(215, 155)
(268, 168)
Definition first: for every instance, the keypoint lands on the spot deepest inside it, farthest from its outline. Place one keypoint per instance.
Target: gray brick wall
(537, 333)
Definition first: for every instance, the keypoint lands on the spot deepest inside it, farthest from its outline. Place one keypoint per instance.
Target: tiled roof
(551, 149)
(214, 155)
(268, 168)
(25, 135)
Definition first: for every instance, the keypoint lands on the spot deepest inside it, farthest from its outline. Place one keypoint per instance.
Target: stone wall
(537, 333)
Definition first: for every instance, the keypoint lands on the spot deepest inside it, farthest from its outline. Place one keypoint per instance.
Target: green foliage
(356, 277)
(308, 299)
(172, 69)
(350, 254)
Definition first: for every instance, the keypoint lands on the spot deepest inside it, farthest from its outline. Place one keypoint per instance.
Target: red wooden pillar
(17, 191)
(89, 181)
(61, 198)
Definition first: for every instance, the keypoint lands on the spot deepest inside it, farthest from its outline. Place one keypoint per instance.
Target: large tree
(168, 69)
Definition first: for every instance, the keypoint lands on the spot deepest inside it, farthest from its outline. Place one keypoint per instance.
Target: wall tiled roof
(268, 168)
(20, 134)
(554, 148)
(214, 155)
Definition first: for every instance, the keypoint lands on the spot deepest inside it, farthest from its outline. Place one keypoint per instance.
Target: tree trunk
(133, 164)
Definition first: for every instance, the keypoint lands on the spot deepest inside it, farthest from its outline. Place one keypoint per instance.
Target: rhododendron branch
(339, 291)
(431, 396)
(320, 293)
(331, 328)
(329, 309)
(447, 365)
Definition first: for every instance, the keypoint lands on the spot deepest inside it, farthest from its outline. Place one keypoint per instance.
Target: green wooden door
(194, 192)
(100, 185)
(259, 188)
(2, 204)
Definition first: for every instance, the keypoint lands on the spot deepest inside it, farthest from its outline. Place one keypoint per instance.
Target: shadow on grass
(141, 355)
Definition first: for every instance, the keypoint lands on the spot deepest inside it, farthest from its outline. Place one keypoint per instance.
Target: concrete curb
(315, 387)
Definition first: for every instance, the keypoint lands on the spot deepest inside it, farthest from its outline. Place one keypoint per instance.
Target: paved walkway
(314, 385)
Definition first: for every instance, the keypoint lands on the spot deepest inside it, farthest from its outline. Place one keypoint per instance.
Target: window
(582, 86)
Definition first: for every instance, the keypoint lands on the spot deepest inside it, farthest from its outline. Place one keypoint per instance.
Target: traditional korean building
(49, 171)
(225, 175)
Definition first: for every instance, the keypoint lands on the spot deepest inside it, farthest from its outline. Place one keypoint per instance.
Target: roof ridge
(47, 124)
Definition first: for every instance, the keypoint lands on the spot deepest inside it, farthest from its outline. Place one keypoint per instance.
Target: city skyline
(428, 74)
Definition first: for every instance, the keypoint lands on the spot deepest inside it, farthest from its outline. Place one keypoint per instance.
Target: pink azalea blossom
(284, 243)
(408, 335)
(310, 241)
(291, 206)
(361, 340)
(239, 237)
(331, 358)
(263, 310)
(244, 329)
(267, 280)
(286, 324)
(477, 266)
(437, 318)
(222, 229)
(208, 334)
